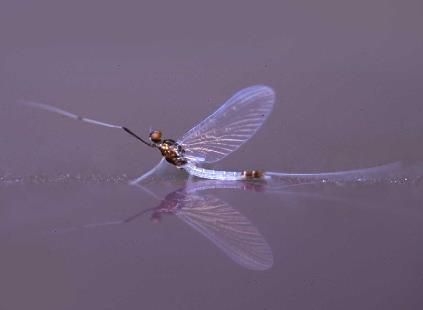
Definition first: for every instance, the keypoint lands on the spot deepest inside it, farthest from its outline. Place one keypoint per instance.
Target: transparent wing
(230, 126)
(228, 229)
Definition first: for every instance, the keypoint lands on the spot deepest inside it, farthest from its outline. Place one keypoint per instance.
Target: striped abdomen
(253, 174)
(223, 175)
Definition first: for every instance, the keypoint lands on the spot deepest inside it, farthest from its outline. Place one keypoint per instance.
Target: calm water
(86, 244)
(348, 79)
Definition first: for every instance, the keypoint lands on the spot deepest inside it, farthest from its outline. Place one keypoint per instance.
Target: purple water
(348, 79)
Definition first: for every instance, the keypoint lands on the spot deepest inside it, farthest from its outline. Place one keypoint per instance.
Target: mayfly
(222, 133)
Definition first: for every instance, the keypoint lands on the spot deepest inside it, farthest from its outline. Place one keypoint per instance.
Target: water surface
(348, 77)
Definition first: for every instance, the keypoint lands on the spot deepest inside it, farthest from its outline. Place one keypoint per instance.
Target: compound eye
(156, 136)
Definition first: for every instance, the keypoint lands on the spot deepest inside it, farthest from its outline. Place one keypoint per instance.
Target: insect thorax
(173, 152)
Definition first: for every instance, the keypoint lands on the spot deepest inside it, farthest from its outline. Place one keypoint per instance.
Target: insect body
(172, 152)
(170, 149)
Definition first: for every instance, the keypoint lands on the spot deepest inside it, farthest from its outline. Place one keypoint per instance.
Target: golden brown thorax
(173, 152)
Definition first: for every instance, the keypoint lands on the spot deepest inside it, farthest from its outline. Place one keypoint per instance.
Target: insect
(222, 133)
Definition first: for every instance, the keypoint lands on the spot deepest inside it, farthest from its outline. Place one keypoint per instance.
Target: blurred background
(348, 77)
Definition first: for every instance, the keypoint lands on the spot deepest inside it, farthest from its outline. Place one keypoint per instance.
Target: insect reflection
(218, 221)
(214, 218)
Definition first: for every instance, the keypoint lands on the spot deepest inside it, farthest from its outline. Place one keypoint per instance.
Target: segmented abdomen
(223, 175)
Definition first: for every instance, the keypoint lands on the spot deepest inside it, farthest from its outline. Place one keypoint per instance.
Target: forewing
(230, 126)
(228, 229)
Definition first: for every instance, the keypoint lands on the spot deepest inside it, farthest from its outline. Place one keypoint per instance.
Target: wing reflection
(214, 218)
(226, 227)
